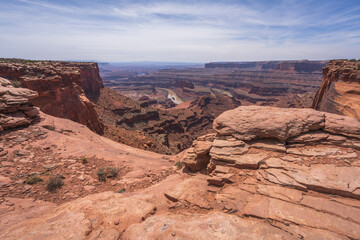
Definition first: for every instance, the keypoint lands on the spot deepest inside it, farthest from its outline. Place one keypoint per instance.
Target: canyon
(171, 106)
(249, 169)
(272, 83)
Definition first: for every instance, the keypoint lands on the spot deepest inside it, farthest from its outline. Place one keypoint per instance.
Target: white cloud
(177, 31)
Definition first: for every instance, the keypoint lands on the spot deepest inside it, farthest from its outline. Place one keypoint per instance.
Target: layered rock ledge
(292, 131)
(267, 173)
(15, 108)
(289, 166)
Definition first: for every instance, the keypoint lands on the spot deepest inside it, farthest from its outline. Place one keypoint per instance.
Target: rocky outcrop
(252, 122)
(15, 107)
(340, 89)
(286, 130)
(197, 156)
(296, 166)
(286, 176)
(63, 87)
(91, 217)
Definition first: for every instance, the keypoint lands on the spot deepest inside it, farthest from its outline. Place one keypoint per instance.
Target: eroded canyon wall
(64, 88)
(340, 89)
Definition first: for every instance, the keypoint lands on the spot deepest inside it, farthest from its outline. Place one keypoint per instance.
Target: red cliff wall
(340, 89)
(91, 81)
(63, 87)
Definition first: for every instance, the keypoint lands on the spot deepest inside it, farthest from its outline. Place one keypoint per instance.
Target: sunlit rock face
(64, 88)
(340, 89)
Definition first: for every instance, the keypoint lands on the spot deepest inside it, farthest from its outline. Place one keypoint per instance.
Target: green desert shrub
(178, 164)
(107, 172)
(16, 83)
(84, 160)
(33, 179)
(54, 183)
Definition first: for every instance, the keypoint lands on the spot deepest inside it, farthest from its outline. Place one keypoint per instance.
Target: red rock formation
(273, 174)
(269, 128)
(15, 108)
(63, 87)
(340, 89)
(90, 80)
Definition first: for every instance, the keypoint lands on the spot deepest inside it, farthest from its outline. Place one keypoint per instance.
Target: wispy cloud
(180, 30)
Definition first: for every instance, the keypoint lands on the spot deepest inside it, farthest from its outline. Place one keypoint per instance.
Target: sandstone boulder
(15, 107)
(253, 122)
(197, 157)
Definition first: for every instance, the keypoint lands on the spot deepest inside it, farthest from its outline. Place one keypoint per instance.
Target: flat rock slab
(314, 151)
(191, 191)
(271, 208)
(214, 225)
(215, 180)
(221, 169)
(250, 160)
(4, 181)
(80, 218)
(327, 178)
(49, 166)
(268, 144)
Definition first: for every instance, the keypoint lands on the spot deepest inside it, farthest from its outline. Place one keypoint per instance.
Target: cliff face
(64, 88)
(91, 81)
(340, 89)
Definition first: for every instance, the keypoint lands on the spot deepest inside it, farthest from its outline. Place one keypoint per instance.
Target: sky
(179, 31)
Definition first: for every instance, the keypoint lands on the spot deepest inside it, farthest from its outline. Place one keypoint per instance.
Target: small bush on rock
(84, 160)
(16, 83)
(33, 179)
(54, 183)
(178, 164)
(107, 172)
(101, 175)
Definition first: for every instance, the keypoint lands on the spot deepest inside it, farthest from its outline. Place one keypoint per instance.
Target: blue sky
(185, 31)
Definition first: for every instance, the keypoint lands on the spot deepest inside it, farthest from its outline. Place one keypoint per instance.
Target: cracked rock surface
(298, 181)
